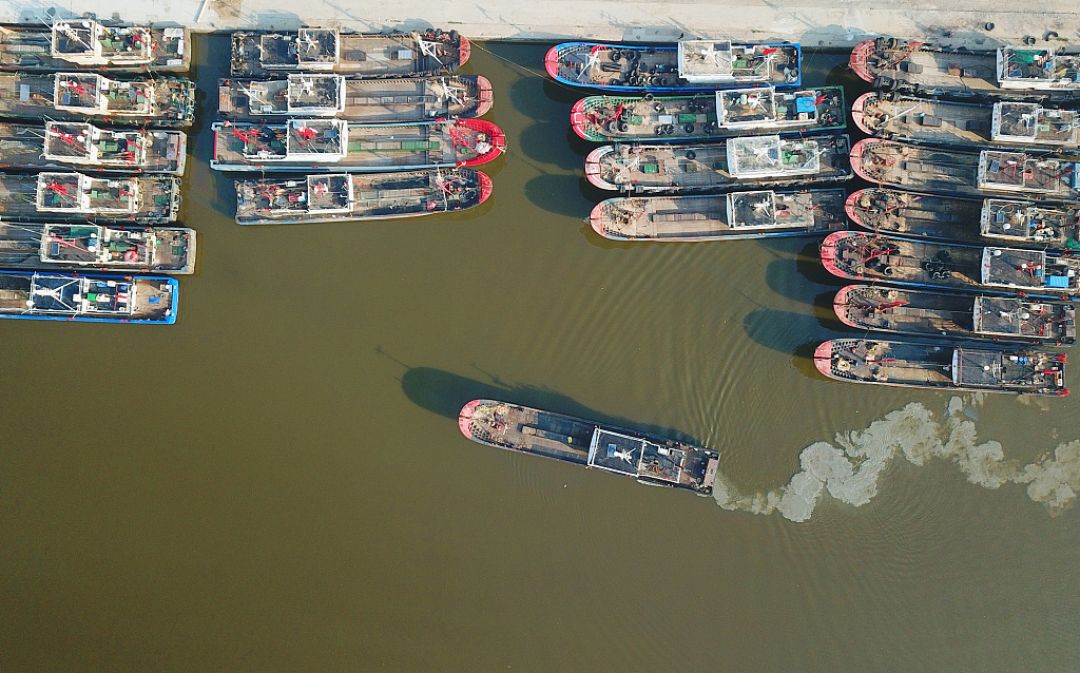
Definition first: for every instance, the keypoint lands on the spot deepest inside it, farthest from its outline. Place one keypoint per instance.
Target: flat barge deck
(145, 199)
(102, 46)
(75, 96)
(102, 248)
(78, 145)
(78, 297)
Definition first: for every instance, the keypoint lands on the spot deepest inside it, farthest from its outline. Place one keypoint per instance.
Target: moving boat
(52, 295)
(334, 145)
(146, 199)
(1028, 126)
(915, 365)
(63, 145)
(364, 196)
(403, 54)
(868, 257)
(983, 221)
(752, 161)
(1016, 73)
(734, 216)
(158, 101)
(91, 246)
(960, 316)
(412, 99)
(101, 46)
(967, 172)
(732, 112)
(656, 462)
(689, 65)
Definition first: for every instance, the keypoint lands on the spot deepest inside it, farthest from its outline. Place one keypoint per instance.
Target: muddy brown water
(277, 483)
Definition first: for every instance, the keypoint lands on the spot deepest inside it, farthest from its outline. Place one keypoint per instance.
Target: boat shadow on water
(809, 279)
(569, 195)
(444, 393)
(793, 333)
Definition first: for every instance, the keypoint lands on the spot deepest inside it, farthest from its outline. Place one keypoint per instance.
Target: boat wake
(848, 469)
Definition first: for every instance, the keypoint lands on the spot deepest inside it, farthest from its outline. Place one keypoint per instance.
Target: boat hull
(168, 318)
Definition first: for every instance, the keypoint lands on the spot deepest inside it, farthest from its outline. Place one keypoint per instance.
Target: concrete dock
(973, 23)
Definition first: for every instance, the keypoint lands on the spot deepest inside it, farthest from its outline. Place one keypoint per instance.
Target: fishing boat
(101, 46)
(745, 161)
(63, 145)
(722, 114)
(158, 101)
(402, 54)
(943, 367)
(145, 199)
(967, 172)
(92, 246)
(335, 145)
(982, 221)
(360, 196)
(1010, 72)
(53, 295)
(652, 461)
(724, 217)
(688, 65)
(1010, 124)
(951, 266)
(957, 316)
(413, 99)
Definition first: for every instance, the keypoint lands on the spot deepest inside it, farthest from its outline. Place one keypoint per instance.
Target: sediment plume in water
(849, 468)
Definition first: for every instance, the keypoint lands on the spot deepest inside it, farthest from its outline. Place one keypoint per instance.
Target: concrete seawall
(972, 23)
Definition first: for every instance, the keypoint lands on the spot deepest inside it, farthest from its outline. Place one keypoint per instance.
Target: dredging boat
(745, 161)
(941, 367)
(102, 46)
(957, 316)
(656, 462)
(144, 199)
(145, 101)
(335, 145)
(967, 172)
(91, 246)
(403, 54)
(1011, 72)
(731, 112)
(364, 196)
(688, 65)
(52, 295)
(400, 99)
(886, 259)
(983, 221)
(64, 145)
(725, 217)
(1013, 124)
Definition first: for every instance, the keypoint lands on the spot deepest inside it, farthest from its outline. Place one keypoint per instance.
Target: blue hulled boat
(51, 295)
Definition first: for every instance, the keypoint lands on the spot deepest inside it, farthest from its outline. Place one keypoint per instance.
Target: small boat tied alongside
(102, 46)
(1009, 72)
(400, 54)
(413, 99)
(364, 196)
(950, 266)
(734, 216)
(688, 65)
(943, 367)
(1009, 124)
(334, 145)
(54, 295)
(968, 172)
(980, 221)
(79, 145)
(652, 461)
(68, 196)
(750, 161)
(84, 96)
(705, 116)
(924, 313)
(93, 246)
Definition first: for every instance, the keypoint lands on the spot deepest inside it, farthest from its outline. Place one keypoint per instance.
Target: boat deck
(897, 260)
(59, 145)
(889, 211)
(88, 96)
(145, 199)
(167, 250)
(84, 43)
(60, 296)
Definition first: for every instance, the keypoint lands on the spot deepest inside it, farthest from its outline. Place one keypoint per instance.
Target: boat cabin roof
(1027, 269)
(75, 192)
(316, 94)
(1024, 221)
(90, 91)
(87, 41)
(768, 209)
(1031, 122)
(706, 61)
(977, 368)
(88, 243)
(753, 105)
(65, 294)
(329, 193)
(754, 156)
(999, 315)
(616, 452)
(1005, 170)
(1037, 68)
(310, 48)
(79, 140)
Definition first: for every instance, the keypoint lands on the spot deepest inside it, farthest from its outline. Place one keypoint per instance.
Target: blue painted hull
(167, 320)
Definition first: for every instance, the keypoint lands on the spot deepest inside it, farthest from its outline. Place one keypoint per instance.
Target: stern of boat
(829, 249)
(592, 168)
(857, 151)
(485, 186)
(840, 304)
(551, 62)
(823, 358)
(858, 112)
(465, 417)
(860, 57)
(596, 218)
(464, 50)
(485, 95)
(496, 137)
(851, 205)
(577, 119)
